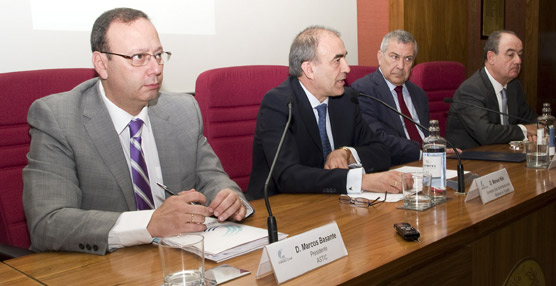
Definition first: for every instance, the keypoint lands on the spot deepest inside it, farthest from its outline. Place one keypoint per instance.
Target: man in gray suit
(495, 86)
(91, 180)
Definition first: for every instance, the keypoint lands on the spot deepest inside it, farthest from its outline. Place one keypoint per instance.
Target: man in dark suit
(98, 151)
(327, 134)
(390, 84)
(495, 87)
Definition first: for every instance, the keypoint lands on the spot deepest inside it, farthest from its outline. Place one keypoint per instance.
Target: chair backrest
(229, 99)
(18, 90)
(439, 80)
(357, 72)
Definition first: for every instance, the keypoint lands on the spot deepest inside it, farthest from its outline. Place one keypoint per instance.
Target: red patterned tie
(409, 126)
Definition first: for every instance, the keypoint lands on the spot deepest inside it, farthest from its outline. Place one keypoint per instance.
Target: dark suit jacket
(386, 123)
(469, 127)
(77, 181)
(299, 168)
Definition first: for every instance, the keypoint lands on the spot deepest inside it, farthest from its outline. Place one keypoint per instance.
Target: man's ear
(379, 57)
(490, 57)
(99, 63)
(307, 68)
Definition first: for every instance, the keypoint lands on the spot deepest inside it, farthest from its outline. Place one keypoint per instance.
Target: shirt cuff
(130, 229)
(354, 181)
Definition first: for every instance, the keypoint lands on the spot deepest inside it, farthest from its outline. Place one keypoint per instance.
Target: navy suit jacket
(299, 168)
(469, 127)
(386, 123)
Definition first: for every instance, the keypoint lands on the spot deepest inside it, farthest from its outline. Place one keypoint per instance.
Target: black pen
(166, 189)
(172, 193)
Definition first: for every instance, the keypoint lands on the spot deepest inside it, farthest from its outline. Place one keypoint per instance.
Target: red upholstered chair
(357, 72)
(18, 90)
(439, 80)
(229, 99)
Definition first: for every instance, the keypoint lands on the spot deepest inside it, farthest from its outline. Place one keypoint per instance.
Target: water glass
(416, 188)
(183, 260)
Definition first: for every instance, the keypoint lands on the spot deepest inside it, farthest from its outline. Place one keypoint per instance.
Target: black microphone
(271, 220)
(461, 178)
(451, 100)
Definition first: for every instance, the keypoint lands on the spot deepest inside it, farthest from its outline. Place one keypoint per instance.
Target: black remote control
(406, 231)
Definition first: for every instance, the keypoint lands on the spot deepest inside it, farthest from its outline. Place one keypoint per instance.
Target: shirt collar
(497, 86)
(120, 118)
(391, 86)
(312, 99)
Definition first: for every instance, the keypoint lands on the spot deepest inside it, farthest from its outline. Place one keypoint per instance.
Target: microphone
(271, 220)
(461, 178)
(451, 100)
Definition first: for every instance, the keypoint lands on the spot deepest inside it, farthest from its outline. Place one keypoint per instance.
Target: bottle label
(551, 140)
(432, 163)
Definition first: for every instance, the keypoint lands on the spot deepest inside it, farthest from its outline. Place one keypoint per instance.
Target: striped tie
(504, 106)
(139, 173)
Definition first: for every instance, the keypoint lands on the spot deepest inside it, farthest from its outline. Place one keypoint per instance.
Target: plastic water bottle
(545, 128)
(434, 162)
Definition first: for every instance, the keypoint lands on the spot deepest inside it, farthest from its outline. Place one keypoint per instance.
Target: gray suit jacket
(77, 180)
(469, 127)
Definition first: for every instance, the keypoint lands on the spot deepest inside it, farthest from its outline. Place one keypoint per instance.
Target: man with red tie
(390, 84)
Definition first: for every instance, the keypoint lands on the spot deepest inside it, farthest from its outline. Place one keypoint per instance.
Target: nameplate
(490, 187)
(299, 254)
(552, 163)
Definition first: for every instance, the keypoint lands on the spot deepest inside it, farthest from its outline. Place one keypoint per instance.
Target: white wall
(247, 32)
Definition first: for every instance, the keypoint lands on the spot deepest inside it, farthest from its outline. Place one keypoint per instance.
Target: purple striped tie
(139, 173)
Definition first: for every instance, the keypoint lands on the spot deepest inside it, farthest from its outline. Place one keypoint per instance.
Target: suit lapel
(385, 94)
(99, 126)
(306, 113)
(164, 135)
(492, 100)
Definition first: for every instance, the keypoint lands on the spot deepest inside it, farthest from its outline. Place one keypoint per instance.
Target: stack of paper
(225, 240)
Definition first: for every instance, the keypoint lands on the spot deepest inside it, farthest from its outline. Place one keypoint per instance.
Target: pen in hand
(170, 192)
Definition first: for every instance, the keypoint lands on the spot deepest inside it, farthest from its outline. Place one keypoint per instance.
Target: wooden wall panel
(440, 27)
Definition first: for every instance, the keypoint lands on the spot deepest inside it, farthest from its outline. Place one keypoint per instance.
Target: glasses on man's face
(361, 202)
(142, 59)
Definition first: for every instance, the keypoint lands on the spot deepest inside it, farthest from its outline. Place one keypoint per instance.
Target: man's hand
(531, 132)
(177, 215)
(337, 159)
(389, 181)
(227, 204)
(451, 151)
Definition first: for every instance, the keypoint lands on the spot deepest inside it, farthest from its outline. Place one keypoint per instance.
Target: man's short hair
(494, 41)
(400, 36)
(98, 35)
(304, 47)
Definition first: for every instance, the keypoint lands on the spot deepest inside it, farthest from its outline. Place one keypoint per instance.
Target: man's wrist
(348, 153)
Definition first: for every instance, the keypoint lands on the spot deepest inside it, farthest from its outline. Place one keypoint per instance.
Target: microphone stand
(451, 100)
(271, 220)
(460, 171)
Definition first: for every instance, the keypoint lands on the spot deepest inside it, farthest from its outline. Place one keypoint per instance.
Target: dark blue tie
(139, 173)
(326, 149)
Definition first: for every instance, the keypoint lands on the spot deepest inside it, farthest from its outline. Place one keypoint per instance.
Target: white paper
(225, 240)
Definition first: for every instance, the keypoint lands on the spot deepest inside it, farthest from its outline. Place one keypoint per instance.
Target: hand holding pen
(180, 213)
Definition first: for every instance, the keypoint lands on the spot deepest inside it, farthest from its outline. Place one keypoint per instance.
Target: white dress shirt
(498, 91)
(355, 175)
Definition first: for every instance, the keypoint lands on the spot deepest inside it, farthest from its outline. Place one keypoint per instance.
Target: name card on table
(552, 163)
(491, 186)
(299, 254)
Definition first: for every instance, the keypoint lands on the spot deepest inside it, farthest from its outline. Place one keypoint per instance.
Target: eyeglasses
(361, 202)
(139, 60)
